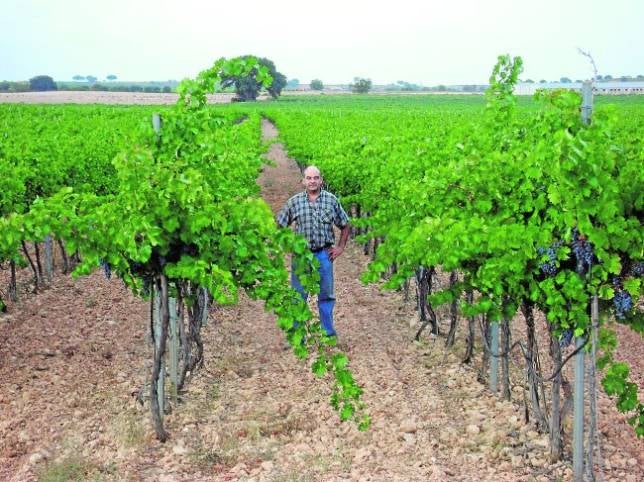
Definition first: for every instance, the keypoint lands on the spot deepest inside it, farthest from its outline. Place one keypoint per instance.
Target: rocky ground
(73, 357)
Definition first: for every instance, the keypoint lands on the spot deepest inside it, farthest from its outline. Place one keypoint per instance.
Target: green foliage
(484, 191)
(485, 183)
(249, 80)
(182, 202)
(42, 83)
(360, 85)
(316, 84)
(245, 72)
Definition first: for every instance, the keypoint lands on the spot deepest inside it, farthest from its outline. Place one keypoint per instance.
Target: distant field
(98, 97)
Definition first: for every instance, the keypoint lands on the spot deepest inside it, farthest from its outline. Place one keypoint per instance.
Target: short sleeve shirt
(314, 220)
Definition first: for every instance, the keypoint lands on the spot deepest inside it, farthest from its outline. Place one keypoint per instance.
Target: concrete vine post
(578, 400)
(494, 356)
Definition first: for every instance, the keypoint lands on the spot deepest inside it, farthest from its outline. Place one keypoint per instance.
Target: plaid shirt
(314, 220)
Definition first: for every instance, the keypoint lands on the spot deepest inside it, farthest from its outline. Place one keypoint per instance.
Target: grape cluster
(583, 250)
(638, 269)
(622, 300)
(549, 267)
(566, 338)
(623, 303)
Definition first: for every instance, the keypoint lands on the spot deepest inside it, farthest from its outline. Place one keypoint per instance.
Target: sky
(424, 42)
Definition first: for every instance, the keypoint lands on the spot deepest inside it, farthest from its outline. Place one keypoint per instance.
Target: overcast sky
(426, 42)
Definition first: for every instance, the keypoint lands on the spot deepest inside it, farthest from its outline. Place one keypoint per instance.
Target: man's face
(312, 180)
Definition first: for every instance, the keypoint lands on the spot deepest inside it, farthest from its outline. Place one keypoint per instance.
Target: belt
(317, 250)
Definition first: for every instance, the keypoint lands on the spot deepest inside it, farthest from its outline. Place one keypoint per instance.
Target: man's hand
(334, 252)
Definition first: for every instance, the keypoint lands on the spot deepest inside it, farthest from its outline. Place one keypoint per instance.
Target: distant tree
(404, 86)
(91, 79)
(565, 80)
(111, 77)
(360, 85)
(166, 89)
(293, 84)
(42, 83)
(579, 81)
(598, 77)
(640, 77)
(623, 78)
(78, 78)
(99, 87)
(608, 77)
(248, 87)
(441, 88)
(4, 86)
(529, 81)
(316, 84)
(543, 81)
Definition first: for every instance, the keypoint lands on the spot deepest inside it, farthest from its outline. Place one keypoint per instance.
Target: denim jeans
(326, 298)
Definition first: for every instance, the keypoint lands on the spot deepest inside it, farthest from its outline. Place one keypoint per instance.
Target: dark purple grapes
(623, 303)
(549, 267)
(583, 250)
(638, 269)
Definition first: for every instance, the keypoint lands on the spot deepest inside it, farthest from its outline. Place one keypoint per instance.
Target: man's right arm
(284, 218)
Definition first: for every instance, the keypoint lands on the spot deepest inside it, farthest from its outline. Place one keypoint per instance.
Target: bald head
(312, 179)
(312, 170)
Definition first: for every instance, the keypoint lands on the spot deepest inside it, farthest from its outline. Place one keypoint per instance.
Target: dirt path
(72, 356)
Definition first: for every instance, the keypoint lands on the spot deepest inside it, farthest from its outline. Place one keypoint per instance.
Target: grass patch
(226, 456)
(207, 458)
(127, 429)
(294, 476)
(75, 468)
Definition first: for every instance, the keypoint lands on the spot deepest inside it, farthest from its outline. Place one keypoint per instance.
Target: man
(314, 212)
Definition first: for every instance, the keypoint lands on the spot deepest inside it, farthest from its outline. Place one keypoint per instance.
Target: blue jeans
(326, 298)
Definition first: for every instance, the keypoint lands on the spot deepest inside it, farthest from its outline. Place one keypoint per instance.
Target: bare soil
(73, 357)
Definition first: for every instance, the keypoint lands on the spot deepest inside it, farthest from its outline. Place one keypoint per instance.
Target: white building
(600, 87)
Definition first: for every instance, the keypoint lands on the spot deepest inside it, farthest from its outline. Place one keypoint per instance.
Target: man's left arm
(342, 221)
(337, 250)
